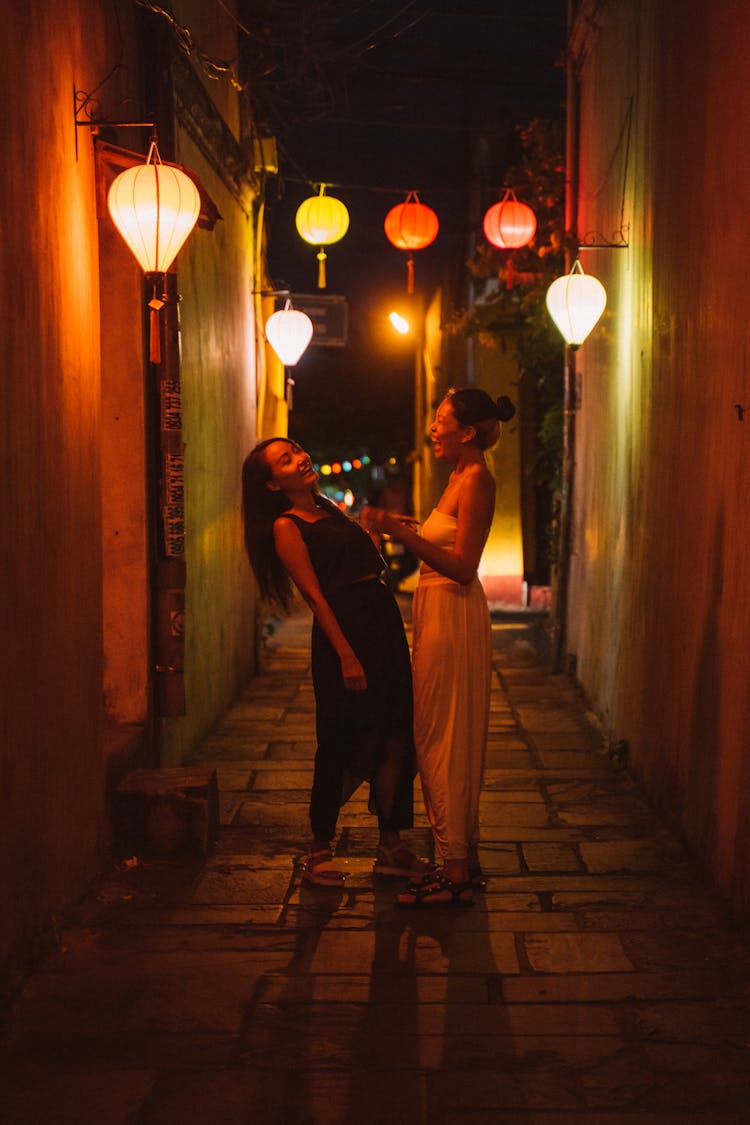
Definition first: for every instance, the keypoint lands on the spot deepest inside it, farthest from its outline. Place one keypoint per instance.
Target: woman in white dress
(451, 642)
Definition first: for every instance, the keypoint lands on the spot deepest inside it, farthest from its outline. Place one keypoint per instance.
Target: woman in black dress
(360, 658)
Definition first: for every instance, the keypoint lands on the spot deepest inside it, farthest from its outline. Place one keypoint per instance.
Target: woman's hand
(379, 522)
(353, 673)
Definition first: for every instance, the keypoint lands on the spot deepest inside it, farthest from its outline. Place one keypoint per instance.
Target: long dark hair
(474, 407)
(261, 506)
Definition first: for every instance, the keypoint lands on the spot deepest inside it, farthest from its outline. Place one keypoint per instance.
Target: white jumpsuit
(452, 673)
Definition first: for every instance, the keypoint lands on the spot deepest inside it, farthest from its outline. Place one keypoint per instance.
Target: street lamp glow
(399, 323)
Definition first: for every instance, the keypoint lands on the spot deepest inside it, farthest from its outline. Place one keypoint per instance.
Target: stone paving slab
(584, 1117)
(73, 1096)
(553, 857)
(597, 980)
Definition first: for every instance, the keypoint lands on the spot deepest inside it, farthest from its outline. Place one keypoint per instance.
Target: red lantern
(410, 226)
(509, 224)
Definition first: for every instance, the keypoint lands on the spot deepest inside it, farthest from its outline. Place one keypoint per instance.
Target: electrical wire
(233, 17)
(213, 67)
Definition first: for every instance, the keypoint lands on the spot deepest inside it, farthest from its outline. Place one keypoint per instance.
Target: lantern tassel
(154, 333)
(509, 275)
(154, 337)
(321, 268)
(410, 274)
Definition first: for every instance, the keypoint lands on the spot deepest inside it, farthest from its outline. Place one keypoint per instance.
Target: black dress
(361, 736)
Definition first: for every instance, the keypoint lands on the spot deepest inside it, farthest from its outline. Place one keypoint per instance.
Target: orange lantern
(410, 226)
(509, 224)
(321, 220)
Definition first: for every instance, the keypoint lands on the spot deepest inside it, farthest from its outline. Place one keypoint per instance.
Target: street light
(400, 323)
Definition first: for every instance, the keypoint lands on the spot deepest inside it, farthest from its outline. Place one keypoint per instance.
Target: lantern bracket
(87, 111)
(596, 241)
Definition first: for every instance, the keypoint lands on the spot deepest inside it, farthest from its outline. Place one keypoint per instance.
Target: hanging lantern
(289, 331)
(509, 224)
(155, 207)
(322, 220)
(575, 303)
(410, 226)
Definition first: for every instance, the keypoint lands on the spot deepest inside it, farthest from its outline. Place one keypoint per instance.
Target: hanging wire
(369, 42)
(619, 238)
(213, 67)
(233, 17)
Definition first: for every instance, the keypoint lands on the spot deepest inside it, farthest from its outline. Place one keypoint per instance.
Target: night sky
(376, 99)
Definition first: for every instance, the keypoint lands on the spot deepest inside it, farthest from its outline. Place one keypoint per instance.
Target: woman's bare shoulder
(478, 479)
(285, 527)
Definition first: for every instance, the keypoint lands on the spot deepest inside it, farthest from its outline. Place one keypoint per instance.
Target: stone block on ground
(167, 812)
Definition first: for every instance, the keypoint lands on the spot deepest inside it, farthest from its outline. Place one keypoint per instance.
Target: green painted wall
(219, 424)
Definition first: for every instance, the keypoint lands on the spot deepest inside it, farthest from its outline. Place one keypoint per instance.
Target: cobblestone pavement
(596, 981)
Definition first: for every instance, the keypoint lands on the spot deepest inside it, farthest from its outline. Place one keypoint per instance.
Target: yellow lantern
(289, 331)
(155, 207)
(575, 303)
(322, 220)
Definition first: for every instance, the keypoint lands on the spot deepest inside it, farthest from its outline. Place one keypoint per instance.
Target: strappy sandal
(437, 890)
(398, 862)
(477, 877)
(321, 871)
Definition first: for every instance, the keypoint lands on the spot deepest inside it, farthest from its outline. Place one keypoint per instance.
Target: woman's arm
(476, 506)
(291, 549)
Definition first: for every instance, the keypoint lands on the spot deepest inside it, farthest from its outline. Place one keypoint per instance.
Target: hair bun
(505, 408)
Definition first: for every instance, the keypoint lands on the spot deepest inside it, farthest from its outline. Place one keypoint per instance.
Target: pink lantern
(509, 224)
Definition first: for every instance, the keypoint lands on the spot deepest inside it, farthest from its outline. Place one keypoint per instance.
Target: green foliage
(538, 178)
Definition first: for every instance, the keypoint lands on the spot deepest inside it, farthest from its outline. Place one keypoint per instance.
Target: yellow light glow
(399, 323)
(325, 470)
(322, 219)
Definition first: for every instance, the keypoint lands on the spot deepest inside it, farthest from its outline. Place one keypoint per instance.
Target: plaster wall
(124, 464)
(216, 29)
(442, 359)
(50, 503)
(218, 377)
(497, 373)
(659, 605)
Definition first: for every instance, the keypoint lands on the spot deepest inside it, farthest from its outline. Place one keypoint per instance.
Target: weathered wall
(78, 496)
(442, 363)
(219, 425)
(501, 570)
(660, 584)
(50, 515)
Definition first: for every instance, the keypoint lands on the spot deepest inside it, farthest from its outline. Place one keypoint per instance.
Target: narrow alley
(596, 980)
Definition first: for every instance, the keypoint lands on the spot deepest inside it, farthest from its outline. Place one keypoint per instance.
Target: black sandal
(477, 878)
(437, 890)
